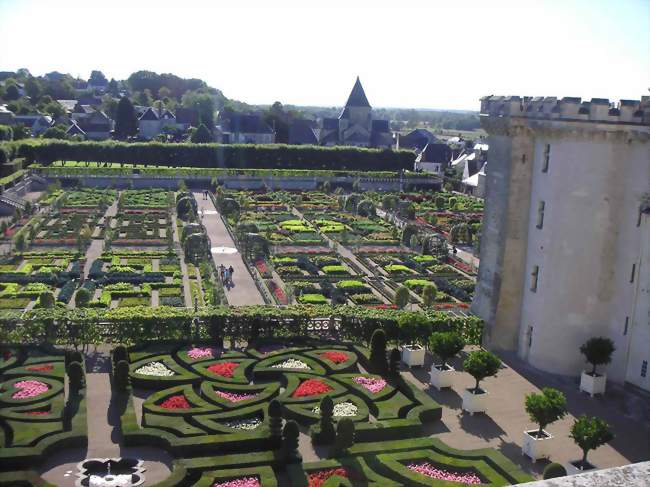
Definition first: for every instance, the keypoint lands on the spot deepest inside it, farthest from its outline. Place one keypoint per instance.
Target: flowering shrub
(175, 402)
(200, 352)
(224, 369)
(342, 409)
(233, 397)
(370, 383)
(317, 479)
(335, 357)
(29, 388)
(41, 368)
(434, 472)
(240, 482)
(311, 387)
(157, 369)
(292, 363)
(244, 424)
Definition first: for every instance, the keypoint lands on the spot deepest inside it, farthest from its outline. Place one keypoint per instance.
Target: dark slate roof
(417, 139)
(149, 114)
(381, 139)
(380, 126)
(473, 166)
(187, 115)
(248, 124)
(302, 132)
(74, 129)
(436, 153)
(357, 96)
(330, 137)
(331, 123)
(79, 108)
(90, 100)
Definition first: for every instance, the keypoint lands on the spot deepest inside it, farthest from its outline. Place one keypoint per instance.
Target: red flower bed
(311, 387)
(175, 402)
(335, 357)
(54, 241)
(37, 413)
(41, 368)
(384, 306)
(224, 369)
(261, 267)
(278, 292)
(317, 479)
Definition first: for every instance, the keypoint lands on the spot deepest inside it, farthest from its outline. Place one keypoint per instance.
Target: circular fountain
(110, 472)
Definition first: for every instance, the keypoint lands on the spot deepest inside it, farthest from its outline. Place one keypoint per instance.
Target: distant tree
(11, 92)
(203, 103)
(97, 78)
(20, 242)
(56, 132)
(126, 124)
(82, 298)
(33, 89)
(54, 109)
(113, 88)
(6, 132)
(202, 135)
(46, 299)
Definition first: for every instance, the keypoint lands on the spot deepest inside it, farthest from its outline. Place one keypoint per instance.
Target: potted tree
(597, 351)
(543, 409)
(479, 364)
(588, 433)
(445, 345)
(413, 330)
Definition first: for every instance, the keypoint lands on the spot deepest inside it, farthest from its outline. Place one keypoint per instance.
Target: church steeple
(357, 96)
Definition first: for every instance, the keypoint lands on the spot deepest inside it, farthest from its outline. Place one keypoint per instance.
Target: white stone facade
(565, 252)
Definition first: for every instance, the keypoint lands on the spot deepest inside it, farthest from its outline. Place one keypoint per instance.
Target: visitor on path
(226, 279)
(231, 271)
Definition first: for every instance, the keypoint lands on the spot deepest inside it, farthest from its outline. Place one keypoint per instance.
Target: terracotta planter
(474, 403)
(440, 378)
(413, 355)
(536, 448)
(593, 384)
(575, 467)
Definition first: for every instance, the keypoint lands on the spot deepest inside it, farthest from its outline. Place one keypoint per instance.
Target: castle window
(644, 368)
(540, 214)
(534, 278)
(523, 158)
(547, 157)
(633, 272)
(627, 324)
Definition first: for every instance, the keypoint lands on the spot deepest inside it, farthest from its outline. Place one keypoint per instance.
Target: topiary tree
(20, 242)
(414, 328)
(72, 356)
(440, 202)
(553, 471)
(186, 207)
(429, 293)
(202, 135)
(545, 408)
(378, 350)
(275, 419)
(344, 436)
(401, 298)
(82, 298)
(408, 231)
(481, 364)
(290, 435)
(394, 362)
(120, 353)
(121, 377)
(446, 344)
(46, 300)
(590, 433)
(327, 432)
(76, 376)
(366, 208)
(598, 351)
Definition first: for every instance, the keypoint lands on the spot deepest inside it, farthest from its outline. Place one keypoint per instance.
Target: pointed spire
(357, 96)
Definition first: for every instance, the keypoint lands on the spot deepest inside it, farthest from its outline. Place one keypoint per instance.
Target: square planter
(575, 467)
(474, 403)
(536, 448)
(593, 384)
(440, 378)
(413, 355)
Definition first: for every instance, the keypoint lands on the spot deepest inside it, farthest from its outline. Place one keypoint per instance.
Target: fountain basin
(110, 472)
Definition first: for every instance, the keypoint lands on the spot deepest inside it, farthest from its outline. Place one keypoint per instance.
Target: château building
(565, 250)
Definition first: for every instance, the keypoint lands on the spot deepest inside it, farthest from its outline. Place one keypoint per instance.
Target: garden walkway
(245, 291)
(187, 293)
(97, 245)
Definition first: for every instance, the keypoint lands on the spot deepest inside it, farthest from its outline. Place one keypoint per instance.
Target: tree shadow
(513, 452)
(481, 425)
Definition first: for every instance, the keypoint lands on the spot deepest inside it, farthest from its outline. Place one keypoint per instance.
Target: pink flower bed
(434, 472)
(200, 352)
(233, 397)
(370, 383)
(29, 388)
(224, 369)
(317, 479)
(240, 482)
(41, 368)
(175, 402)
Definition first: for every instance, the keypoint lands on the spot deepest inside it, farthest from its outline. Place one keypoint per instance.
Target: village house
(238, 128)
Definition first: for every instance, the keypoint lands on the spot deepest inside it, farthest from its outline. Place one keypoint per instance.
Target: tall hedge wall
(217, 155)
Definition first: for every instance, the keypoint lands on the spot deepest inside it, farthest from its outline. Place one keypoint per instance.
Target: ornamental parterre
(200, 352)
(29, 388)
(434, 472)
(342, 409)
(224, 369)
(292, 364)
(233, 397)
(240, 482)
(311, 387)
(372, 384)
(156, 369)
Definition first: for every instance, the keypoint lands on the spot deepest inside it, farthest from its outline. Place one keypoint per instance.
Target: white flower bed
(292, 363)
(157, 369)
(244, 424)
(341, 409)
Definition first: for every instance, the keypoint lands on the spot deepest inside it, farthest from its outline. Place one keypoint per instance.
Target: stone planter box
(413, 355)
(573, 468)
(536, 448)
(474, 403)
(440, 378)
(593, 384)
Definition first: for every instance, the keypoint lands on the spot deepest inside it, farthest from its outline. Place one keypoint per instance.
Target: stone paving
(244, 291)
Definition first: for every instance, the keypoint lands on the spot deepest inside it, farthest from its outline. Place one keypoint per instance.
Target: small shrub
(481, 364)
(545, 408)
(598, 351)
(429, 293)
(446, 345)
(121, 376)
(76, 376)
(82, 298)
(344, 435)
(553, 471)
(590, 433)
(401, 297)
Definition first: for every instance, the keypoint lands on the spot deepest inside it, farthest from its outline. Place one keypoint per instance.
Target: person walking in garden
(231, 271)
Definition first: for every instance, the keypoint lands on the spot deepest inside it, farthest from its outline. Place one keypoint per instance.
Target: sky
(408, 53)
